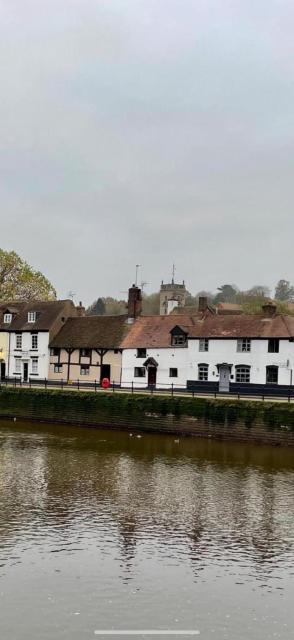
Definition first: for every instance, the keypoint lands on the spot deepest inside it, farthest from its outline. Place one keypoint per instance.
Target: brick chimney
(202, 303)
(269, 309)
(134, 302)
(81, 311)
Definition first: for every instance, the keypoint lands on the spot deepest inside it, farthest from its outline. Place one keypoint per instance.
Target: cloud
(147, 131)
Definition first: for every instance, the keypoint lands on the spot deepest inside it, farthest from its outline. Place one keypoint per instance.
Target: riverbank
(268, 423)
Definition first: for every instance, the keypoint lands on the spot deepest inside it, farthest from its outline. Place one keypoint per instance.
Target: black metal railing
(237, 391)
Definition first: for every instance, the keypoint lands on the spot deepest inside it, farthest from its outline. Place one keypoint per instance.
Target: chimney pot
(269, 309)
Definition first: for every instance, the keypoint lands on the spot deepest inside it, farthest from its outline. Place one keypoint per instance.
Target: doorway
(224, 378)
(152, 371)
(25, 371)
(2, 371)
(105, 371)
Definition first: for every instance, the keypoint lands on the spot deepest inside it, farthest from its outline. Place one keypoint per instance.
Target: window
(34, 365)
(173, 373)
(17, 365)
(85, 370)
(58, 368)
(85, 353)
(31, 316)
(203, 344)
(18, 341)
(242, 373)
(139, 372)
(272, 375)
(55, 351)
(7, 318)
(273, 345)
(141, 353)
(34, 341)
(244, 345)
(203, 372)
(179, 340)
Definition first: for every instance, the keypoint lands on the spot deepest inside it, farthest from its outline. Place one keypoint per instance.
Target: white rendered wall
(258, 359)
(186, 360)
(27, 353)
(173, 357)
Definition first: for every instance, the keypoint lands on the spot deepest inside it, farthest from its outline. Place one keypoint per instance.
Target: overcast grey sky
(148, 131)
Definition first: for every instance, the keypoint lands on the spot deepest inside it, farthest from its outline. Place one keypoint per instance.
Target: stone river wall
(260, 422)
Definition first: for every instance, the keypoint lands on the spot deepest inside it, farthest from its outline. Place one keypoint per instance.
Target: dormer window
(7, 318)
(178, 337)
(32, 316)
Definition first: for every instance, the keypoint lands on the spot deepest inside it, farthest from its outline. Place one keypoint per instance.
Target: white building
(210, 352)
(30, 328)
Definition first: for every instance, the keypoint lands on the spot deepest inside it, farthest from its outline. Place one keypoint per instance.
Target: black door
(2, 371)
(152, 371)
(105, 371)
(25, 371)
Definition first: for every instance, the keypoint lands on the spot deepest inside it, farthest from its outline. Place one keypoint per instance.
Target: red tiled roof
(154, 331)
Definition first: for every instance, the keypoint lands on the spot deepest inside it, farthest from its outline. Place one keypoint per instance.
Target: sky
(148, 132)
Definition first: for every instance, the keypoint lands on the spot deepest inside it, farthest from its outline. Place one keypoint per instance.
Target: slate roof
(47, 314)
(154, 331)
(92, 332)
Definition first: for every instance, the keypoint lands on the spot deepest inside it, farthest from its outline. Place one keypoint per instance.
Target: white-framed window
(203, 344)
(7, 318)
(34, 341)
(141, 352)
(272, 375)
(139, 372)
(179, 340)
(273, 345)
(31, 316)
(54, 351)
(173, 372)
(203, 372)
(58, 368)
(242, 373)
(34, 365)
(85, 370)
(243, 345)
(18, 341)
(17, 365)
(85, 353)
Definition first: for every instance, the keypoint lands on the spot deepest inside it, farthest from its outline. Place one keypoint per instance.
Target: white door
(224, 378)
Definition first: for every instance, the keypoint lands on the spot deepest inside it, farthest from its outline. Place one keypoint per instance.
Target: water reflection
(164, 516)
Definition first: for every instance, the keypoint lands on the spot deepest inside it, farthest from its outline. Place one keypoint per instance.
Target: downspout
(8, 355)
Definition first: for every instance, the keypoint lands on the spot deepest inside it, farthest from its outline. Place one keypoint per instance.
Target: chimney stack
(269, 309)
(202, 303)
(134, 302)
(81, 311)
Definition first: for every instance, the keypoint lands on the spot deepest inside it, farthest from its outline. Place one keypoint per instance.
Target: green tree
(19, 281)
(150, 305)
(97, 308)
(284, 291)
(227, 293)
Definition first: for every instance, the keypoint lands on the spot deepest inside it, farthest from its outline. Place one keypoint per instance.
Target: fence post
(61, 383)
(193, 394)
(113, 386)
(15, 381)
(45, 383)
(78, 384)
(95, 385)
(172, 388)
(132, 386)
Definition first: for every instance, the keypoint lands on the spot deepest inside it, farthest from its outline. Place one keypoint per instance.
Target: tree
(284, 291)
(151, 304)
(97, 308)
(227, 293)
(19, 281)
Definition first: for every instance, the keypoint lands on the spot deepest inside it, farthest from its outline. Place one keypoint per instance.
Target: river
(104, 530)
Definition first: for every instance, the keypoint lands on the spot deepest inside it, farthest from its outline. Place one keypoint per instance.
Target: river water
(104, 530)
